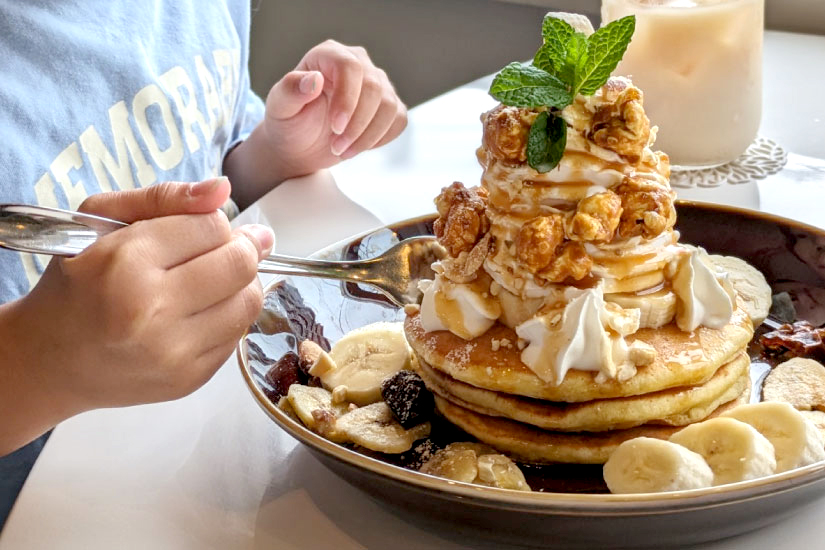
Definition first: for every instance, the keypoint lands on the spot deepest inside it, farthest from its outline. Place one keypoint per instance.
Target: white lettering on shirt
(69, 159)
(176, 81)
(102, 161)
(152, 96)
(210, 94)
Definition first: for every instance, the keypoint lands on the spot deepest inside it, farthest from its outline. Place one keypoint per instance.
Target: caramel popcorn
(505, 133)
(462, 221)
(538, 240)
(596, 218)
(572, 263)
(647, 208)
(621, 124)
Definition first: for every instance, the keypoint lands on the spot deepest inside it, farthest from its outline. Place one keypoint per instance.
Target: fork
(395, 273)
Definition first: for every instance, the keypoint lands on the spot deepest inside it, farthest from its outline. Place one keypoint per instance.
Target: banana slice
(749, 283)
(648, 465)
(796, 440)
(576, 20)
(735, 451)
(452, 463)
(798, 381)
(364, 358)
(657, 308)
(314, 407)
(375, 428)
(476, 463)
(497, 470)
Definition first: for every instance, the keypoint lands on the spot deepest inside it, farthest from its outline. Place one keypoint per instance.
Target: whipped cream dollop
(587, 334)
(705, 297)
(462, 309)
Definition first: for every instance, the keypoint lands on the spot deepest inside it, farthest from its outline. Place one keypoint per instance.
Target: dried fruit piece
(408, 398)
(800, 338)
(282, 375)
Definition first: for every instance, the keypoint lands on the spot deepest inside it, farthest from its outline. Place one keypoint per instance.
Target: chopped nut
(412, 309)
(325, 423)
(464, 268)
(339, 394)
(495, 344)
(641, 353)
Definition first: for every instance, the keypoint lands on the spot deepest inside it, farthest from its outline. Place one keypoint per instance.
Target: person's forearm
(253, 168)
(27, 407)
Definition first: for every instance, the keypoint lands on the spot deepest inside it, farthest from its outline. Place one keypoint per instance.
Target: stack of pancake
(567, 317)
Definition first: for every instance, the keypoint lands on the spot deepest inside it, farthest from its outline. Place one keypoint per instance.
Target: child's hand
(147, 313)
(334, 105)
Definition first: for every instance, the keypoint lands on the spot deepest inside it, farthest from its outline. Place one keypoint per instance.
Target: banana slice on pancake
(648, 465)
(795, 439)
(749, 283)
(657, 308)
(734, 450)
(363, 358)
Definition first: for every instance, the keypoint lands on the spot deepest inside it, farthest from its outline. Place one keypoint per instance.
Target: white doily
(761, 159)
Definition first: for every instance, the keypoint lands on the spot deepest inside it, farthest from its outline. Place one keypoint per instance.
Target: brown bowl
(573, 511)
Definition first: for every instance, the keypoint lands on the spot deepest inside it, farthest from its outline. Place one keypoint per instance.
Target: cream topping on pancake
(587, 334)
(459, 308)
(704, 296)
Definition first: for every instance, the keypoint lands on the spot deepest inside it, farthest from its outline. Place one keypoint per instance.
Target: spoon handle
(55, 232)
(43, 230)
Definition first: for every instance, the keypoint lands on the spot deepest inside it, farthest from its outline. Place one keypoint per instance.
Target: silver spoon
(396, 272)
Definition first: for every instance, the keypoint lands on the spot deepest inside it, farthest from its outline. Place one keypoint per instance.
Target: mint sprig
(523, 85)
(605, 49)
(546, 142)
(567, 63)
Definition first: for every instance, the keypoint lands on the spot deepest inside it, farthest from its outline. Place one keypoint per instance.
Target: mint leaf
(546, 142)
(575, 58)
(605, 49)
(555, 35)
(521, 85)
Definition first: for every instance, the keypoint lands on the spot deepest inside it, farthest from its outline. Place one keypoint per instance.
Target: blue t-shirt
(102, 96)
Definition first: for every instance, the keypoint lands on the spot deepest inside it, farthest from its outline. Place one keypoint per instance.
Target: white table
(212, 471)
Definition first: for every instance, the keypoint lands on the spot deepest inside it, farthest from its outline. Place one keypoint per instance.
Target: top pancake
(682, 359)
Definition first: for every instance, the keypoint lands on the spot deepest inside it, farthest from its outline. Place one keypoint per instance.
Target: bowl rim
(548, 502)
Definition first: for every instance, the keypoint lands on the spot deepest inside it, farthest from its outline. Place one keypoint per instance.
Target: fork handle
(357, 272)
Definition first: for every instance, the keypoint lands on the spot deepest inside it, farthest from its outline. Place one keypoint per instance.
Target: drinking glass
(699, 65)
